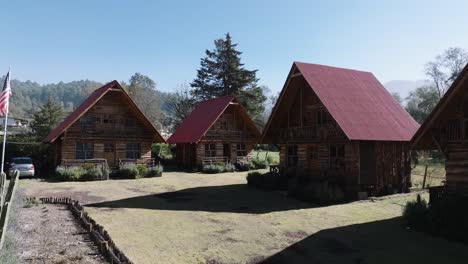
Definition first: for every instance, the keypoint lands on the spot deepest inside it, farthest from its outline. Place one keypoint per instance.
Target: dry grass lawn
(200, 218)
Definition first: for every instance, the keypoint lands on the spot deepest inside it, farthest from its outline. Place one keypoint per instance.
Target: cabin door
(109, 154)
(227, 151)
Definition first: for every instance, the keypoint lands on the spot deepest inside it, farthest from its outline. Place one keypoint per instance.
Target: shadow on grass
(385, 241)
(237, 198)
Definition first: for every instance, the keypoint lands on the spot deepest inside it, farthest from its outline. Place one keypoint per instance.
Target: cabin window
(210, 150)
(454, 130)
(133, 151)
(84, 150)
(322, 117)
(223, 125)
(291, 160)
(86, 120)
(313, 153)
(130, 122)
(107, 119)
(337, 156)
(108, 147)
(240, 150)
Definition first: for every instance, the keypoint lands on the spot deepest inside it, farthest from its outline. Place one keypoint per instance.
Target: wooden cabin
(342, 127)
(218, 130)
(446, 130)
(107, 126)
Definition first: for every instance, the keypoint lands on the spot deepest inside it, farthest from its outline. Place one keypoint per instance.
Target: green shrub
(245, 166)
(255, 178)
(129, 171)
(213, 169)
(162, 150)
(219, 163)
(260, 164)
(155, 171)
(416, 214)
(229, 167)
(91, 173)
(73, 173)
(142, 169)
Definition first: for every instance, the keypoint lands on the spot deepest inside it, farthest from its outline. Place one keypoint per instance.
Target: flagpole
(5, 134)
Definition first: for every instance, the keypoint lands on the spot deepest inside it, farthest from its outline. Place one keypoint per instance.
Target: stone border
(100, 236)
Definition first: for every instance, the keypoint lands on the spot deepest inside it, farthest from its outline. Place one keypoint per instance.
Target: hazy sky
(50, 41)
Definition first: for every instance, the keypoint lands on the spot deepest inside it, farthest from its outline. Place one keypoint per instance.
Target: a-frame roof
(453, 92)
(356, 100)
(194, 127)
(93, 99)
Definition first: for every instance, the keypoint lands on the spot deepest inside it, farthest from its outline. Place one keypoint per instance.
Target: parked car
(23, 164)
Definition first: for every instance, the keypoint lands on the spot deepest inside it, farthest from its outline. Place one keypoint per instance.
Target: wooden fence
(100, 236)
(6, 202)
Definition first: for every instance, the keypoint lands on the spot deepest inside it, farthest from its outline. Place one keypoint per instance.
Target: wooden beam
(437, 143)
(296, 75)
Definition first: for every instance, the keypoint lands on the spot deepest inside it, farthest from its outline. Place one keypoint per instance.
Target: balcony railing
(310, 133)
(228, 134)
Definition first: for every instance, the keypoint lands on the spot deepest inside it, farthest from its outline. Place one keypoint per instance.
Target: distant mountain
(403, 87)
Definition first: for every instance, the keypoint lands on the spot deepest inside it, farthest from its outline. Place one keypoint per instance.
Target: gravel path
(44, 233)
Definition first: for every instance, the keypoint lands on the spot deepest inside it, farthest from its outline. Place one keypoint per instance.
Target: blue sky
(50, 41)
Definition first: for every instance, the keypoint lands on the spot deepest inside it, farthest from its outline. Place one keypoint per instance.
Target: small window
(86, 120)
(241, 150)
(223, 125)
(210, 150)
(291, 160)
(107, 119)
(84, 150)
(313, 153)
(454, 130)
(337, 156)
(133, 151)
(322, 117)
(130, 122)
(108, 147)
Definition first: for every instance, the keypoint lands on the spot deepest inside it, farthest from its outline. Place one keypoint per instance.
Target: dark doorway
(227, 151)
(368, 162)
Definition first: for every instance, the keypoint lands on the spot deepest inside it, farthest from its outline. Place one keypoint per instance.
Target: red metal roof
(86, 105)
(202, 118)
(359, 103)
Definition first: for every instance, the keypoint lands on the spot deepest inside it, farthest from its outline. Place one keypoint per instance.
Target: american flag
(5, 95)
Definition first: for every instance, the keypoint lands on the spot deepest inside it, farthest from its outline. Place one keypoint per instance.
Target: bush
(255, 178)
(91, 173)
(229, 167)
(73, 173)
(213, 169)
(416, 214)
(260, 164)
(142, 169)
(245, 166)
(155, 171)
(269, 181)
(129, 171)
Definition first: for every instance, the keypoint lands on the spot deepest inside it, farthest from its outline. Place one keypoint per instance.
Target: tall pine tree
(48, 117)
(222, 73)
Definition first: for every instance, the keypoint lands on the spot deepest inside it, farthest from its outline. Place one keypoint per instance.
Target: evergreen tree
(48, 117)
(222, 73)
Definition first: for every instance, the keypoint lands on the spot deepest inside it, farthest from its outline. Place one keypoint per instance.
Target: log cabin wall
(393, 166)
(111, 127)
(324, 152)
(226, 133)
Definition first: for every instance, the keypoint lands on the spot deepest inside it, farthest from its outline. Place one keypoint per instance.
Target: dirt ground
(43, 233)
(200, 218)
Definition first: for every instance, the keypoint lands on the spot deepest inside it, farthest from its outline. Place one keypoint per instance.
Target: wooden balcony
(228, 135)
(310, 133)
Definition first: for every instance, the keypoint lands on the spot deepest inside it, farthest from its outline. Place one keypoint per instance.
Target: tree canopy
(47, 118)
(222, 73)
